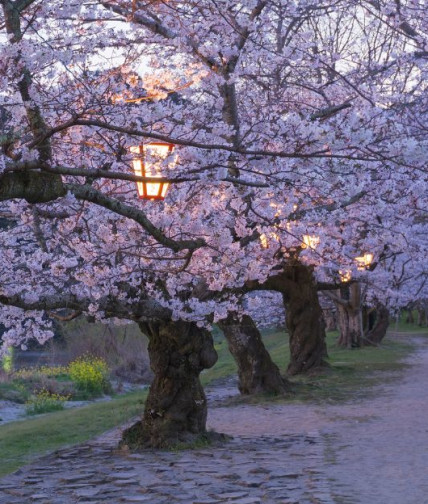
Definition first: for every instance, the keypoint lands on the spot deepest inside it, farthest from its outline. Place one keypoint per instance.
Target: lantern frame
(149, 190)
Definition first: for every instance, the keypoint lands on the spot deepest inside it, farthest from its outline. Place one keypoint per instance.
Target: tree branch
(158, 28)
(88, 193)
(111, 175)
(328, 112)
(34, 187)
(336, 298)
(329, 207)
(146, 309)
(325, 153)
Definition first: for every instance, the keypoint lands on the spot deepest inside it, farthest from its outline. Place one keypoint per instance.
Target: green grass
(401, 326)
(352, 373)
(23, 441)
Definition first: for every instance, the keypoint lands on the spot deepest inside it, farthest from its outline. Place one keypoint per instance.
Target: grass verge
(23, 441)
(352, 373)
(401, 326)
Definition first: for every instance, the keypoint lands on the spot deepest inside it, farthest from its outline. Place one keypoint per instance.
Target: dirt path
(375, 451)
(371, 452)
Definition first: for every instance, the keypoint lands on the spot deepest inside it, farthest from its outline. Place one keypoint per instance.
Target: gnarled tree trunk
(376, 333)
(422, 321)
(355, 324)
(350, 317)
(256, 371)
(304, 316)
(422, 307)
(176, 408)
(304, 320)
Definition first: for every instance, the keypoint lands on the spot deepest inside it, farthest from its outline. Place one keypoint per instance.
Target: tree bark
(421, 317)
(176, 407)
(35, 187)
(257, 372)
(305, 322)
(422, 308)
(330, 319)
(304, 317)
(350, 321)
(376, 334)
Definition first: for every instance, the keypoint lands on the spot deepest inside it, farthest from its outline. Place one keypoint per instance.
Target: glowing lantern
(345, 276)
(310, 241)
(364, 261)
(147, 164)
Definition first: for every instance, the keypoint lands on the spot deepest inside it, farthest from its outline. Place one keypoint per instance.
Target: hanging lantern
(364, 261)
(147, 164)
(345, 275)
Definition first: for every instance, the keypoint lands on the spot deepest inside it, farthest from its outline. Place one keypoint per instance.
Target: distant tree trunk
(350, 316)
(256, 371)
(330, 319)
(176, 408)
(422, 307)
(410, 319)
(376, 334)
(304, 321)
(304, 318)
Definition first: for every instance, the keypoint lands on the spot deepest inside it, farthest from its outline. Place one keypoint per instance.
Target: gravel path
(371, 452)
(375, 450)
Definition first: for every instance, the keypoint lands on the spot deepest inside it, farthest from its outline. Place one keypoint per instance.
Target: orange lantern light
(147, 164)
(364, 261)
(345, 275)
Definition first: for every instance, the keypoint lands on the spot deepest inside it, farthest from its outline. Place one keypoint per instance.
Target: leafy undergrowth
(45, 402)
(84, 378)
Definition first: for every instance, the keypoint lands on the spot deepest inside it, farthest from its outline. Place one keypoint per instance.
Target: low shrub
(57, 372)
(32, 381)
(14, 392)
(90, 375)
(45, 402)
(6, 362)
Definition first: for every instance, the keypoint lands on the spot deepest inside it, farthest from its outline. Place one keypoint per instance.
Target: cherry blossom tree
(300, 144)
